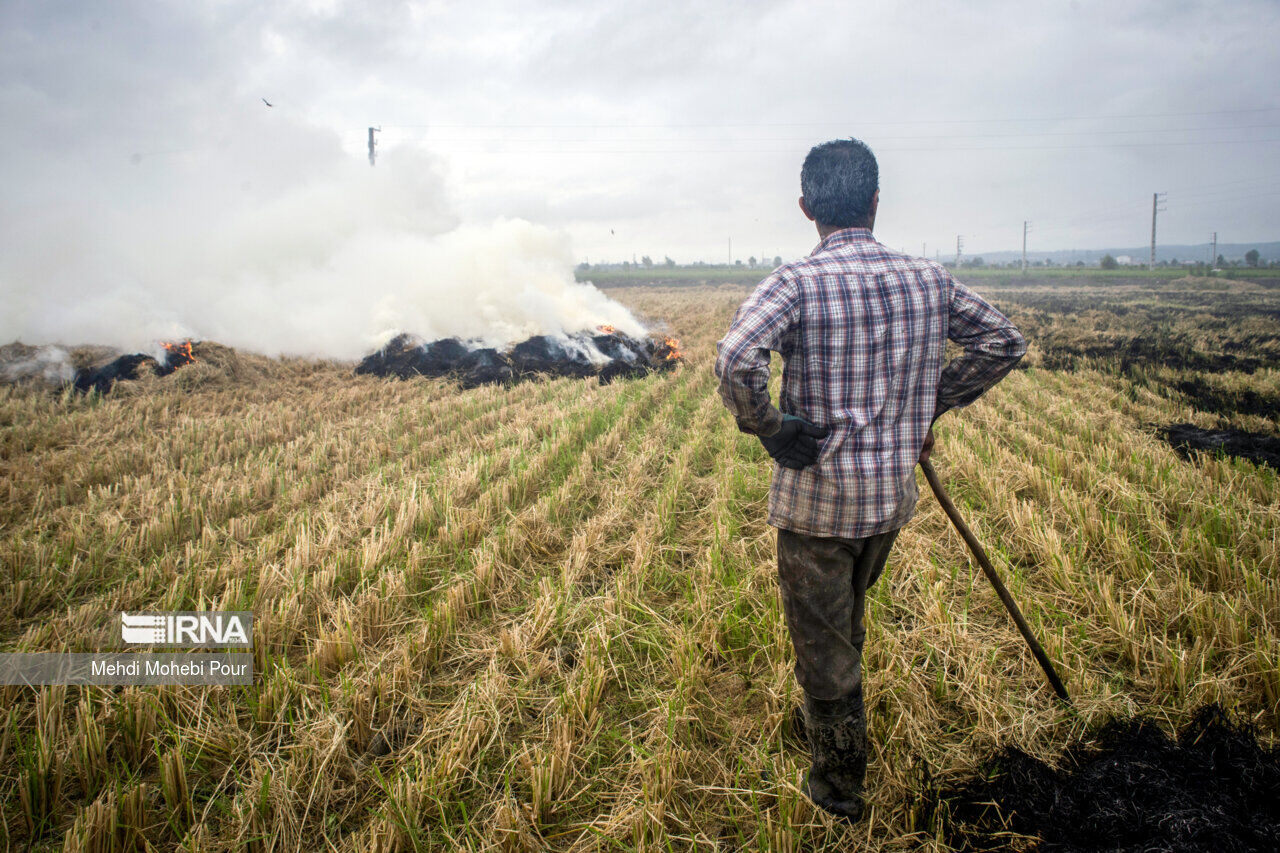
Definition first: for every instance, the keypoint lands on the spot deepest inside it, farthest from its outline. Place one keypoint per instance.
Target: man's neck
(825, 231)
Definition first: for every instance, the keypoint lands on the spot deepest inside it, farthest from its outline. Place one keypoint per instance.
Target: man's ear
(875, 203)
(808, 213)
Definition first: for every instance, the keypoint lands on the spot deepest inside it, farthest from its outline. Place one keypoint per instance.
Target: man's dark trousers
(824, 583)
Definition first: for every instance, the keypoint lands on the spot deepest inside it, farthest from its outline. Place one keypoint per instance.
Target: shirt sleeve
(992, 346)
(742, 357)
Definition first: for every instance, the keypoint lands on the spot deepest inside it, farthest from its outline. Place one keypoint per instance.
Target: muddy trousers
(824, 583)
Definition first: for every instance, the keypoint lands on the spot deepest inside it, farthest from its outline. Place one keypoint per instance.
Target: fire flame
(178, 355)
(672, 346)
(607, 329)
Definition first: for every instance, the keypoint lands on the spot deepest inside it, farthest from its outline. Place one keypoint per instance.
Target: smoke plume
(281, 243)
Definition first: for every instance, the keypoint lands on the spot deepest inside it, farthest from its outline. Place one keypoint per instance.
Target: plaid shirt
(862, 331)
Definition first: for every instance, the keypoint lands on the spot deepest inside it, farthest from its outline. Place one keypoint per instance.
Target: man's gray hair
(838, 180)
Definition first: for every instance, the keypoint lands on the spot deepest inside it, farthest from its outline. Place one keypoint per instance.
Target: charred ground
(606, 353)
(1130, 788)
(1211, 344)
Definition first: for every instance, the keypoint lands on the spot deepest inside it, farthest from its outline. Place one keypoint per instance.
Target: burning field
(101, 369)
(606, 353)
(102, 377)
(496, 614)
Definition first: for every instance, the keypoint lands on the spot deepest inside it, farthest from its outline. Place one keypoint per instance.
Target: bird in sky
(268, 103)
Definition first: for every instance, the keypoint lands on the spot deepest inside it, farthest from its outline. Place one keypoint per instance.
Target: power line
(1216, 128)
(1264, 179)
(1225, 192)
(579, 151)
(1125, 210)
(1214, 201)
(1231, 192)
(828, 123)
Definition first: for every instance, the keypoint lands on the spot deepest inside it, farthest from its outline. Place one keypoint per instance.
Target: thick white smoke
(282, 246)
(151, 194)
(333, 264)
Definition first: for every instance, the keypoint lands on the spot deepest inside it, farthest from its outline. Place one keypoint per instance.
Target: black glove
(795, 444)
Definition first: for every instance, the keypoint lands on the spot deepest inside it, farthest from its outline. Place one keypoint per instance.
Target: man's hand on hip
(795, 444)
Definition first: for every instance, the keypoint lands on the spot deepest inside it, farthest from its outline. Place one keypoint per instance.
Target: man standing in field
(862, 331)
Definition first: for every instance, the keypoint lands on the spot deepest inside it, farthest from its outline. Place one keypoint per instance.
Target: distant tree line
(647, 263)
(1252, 260)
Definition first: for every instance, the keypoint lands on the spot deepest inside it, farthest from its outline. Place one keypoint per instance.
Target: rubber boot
(799, 727)
(837, 733)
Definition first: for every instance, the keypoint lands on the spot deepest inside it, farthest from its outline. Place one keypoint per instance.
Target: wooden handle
(972, 541)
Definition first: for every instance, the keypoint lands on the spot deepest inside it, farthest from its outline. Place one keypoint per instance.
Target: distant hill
(1140, 254)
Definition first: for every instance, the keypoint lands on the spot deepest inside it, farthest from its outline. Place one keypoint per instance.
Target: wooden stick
(972, 541)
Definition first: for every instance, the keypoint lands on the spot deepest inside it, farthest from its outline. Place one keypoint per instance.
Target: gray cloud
(685, 121)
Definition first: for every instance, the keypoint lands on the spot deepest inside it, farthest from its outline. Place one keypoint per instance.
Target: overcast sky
(668, 129)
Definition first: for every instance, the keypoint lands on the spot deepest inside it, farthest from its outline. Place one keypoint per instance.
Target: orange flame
(672, 347)
(607, 329)
(178, 355)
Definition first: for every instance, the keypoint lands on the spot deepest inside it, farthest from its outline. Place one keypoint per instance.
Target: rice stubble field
(545, 616)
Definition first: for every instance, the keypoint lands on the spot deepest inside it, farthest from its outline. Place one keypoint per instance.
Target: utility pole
(959, 249)
(373, 145)
(730, 251)
(1025, 228)
(1155, 208)
(1213, 258)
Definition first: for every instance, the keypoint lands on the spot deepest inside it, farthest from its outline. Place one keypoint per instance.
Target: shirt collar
(844, 237)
